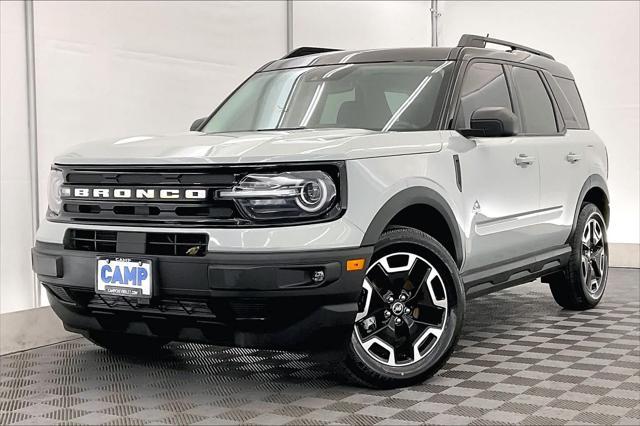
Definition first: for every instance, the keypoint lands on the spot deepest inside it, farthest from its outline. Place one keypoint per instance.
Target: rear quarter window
(574, 102)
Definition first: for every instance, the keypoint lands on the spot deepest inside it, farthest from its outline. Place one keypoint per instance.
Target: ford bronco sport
(344, 202)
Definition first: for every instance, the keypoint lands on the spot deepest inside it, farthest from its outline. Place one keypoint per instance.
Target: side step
(496, 277)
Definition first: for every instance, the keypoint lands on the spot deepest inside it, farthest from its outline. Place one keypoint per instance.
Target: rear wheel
(410, 312)
(581, 285)
(126, 343)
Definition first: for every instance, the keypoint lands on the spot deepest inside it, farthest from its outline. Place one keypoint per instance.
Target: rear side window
(572, 96)
(569, 116)
(484, 85)
(536, 109)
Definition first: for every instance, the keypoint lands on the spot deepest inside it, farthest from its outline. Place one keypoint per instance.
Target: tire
(420, 323)
(126, 343)
(581, 285)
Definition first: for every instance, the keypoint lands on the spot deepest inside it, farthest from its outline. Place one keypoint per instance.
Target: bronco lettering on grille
(135, 193)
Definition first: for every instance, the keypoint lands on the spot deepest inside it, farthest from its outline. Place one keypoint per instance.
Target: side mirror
(196, 124)
(493, 122)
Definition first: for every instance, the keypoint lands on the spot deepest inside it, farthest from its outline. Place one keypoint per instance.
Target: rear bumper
(240, 299)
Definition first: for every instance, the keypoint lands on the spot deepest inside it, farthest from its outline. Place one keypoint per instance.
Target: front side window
(383, 97)
(484, 85)
(536, 109)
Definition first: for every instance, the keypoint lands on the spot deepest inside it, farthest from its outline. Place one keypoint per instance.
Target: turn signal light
(355, 264)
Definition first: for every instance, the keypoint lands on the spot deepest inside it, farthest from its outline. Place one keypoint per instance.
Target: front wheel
(410, 312)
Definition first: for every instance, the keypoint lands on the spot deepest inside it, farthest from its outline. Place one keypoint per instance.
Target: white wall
(16, 282)
(599, 43)
(361, 24)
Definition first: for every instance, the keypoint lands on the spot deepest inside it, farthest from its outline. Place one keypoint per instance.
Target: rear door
(570, 157)
(500, 175)
(561, 153)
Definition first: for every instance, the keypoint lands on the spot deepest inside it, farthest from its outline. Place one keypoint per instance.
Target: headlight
(56, 179)
(302, 194)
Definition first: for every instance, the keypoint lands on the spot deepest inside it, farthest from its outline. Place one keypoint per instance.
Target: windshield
(397, 96)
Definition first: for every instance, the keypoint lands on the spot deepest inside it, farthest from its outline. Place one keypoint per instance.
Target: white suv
(342, 202)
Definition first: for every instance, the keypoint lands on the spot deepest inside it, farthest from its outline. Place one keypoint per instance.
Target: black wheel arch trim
(409, 197)
(593, 181)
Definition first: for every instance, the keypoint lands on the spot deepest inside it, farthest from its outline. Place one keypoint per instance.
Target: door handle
(573, 157)
(524, 160)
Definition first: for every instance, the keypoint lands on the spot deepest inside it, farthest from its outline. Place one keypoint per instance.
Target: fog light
(317, 276)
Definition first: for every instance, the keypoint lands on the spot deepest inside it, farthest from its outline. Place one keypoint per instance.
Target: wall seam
(435, 14)
(289, 25)
(32, 132)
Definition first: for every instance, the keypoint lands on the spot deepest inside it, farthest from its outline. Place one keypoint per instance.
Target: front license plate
(124, 277)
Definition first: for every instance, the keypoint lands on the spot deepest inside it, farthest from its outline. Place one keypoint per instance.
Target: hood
(252, 147)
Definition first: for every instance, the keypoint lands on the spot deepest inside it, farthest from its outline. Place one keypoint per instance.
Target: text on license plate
(124, 277)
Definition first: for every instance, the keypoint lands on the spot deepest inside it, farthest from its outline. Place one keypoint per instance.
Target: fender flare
(409, 197)
(593, 181)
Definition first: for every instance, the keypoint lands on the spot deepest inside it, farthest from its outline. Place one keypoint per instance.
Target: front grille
(183, 210)
(155, 243)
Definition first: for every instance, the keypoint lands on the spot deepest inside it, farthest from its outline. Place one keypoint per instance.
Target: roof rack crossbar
(304, 51)
(471, 40)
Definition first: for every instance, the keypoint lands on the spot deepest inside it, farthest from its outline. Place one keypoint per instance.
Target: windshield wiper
(280, 128)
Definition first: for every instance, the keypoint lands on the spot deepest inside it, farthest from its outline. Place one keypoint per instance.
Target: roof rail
(471, 40)
(304, 51)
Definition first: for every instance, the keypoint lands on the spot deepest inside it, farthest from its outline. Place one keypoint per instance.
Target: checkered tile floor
(521, 359)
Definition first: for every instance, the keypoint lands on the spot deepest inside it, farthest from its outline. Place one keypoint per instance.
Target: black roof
(469, 47)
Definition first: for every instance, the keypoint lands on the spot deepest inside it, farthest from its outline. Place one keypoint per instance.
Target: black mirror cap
(195, 126)
(494, 122)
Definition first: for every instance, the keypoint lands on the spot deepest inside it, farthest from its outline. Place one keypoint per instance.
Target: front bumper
(265, 300)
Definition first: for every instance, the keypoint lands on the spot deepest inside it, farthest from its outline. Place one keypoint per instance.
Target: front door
(501, 176)
(501, 193)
